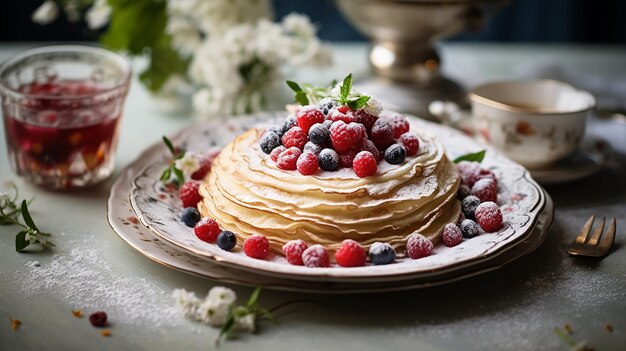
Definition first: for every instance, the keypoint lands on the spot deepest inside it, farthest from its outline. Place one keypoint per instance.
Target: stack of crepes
(248, 194)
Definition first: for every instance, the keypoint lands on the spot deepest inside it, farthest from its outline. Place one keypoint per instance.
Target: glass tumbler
(61, 107)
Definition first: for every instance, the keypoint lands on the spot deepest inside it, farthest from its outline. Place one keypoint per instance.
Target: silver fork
(597, 245)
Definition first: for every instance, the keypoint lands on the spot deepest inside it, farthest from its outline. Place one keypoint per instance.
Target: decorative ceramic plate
(124, 222)
(159, 209)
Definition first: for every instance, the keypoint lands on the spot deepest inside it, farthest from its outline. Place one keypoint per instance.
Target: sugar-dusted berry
(382, 133)
(489, 216)
(207, 230)
(463, 192)
(326, 104)
(469, 228)
(468, 206)
(205, 166)
(411, 143)
(274, 154)
(341, 113)
(470, 172)
(346, 136)
(418, 246)
(451, 235)
(399, 124)
(381, 253)
(295, 137)
(189, 194)
(367, 145)
(365, 119)
(319, 133)
(288, 159)
(364, 164)
(328, 160)
(312, 148)
(307, 163)
(485, 189)
(346, 159)
(289, 122)
(269, 141)
(293, 251)
(315, 256)
(308, 116)
(350, 254)
(256, 246)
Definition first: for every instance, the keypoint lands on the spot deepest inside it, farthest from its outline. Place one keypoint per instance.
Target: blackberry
(328, 160)
(319, 133)
(276, 129)
(269, 141)
(312, 147)
(290, 121)
(226, 240)
(469, 228)
(381, 253)
(326, 104)
(468, 206)
(395, 154)
(463, 192)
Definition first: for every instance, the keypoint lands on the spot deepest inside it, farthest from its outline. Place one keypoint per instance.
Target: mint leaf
(475, 157)
(167, 173)
(20, 241)
(294, 86)
(254, 297)
(169, 145)
(359, 103)
(26, 215)
(346, 87)
(301, 98)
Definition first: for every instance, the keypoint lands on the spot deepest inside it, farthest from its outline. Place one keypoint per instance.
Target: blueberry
(290, 121)
(190, 216)
(226, 240)
(319, 133)
(269, 141)
(469, 228)
(276, 129)
(328, 160)
(311, 147)
(463, 192)
(395, 154)
(326, 104)
(382, 253)
(468, 206)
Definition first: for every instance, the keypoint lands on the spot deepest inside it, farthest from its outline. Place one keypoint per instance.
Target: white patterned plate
(159, 208)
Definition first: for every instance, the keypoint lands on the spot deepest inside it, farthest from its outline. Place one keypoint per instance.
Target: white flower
(185, 36)
(299, 25)
(32, 236)
(189, 163)
(186, 302)
(98, 15)
(246, 323)
(46, 13)
(374, 107)
(220, 294)
(4, 199)
(214, 309)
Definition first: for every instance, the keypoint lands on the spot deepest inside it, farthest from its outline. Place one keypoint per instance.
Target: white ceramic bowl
(533, 122)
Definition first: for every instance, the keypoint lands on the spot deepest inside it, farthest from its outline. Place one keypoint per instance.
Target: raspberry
(470, 172)
(365, 119)
(319, 133)
(98, 319)
(468, 206)
(288, 159)
(469, 228)
(293, 251)
(269, 141)
(451, 235)
(315, 256)
(308, 116)
(346, 136)
(205, 166)
(295, 137)
(489, 216)
(256, 246)
(312, 147)
(382, 133)
(189, 194)
(382, 253)
(395, 154)
(307, 163)
(411, 143)
(328, 160)
(341, 113)
(418, 246)
(367, 145)
(207, 230)
(274, 154)
(485, 189)
(350, 254)
(364, 164)
(399, 124)
(345, 160)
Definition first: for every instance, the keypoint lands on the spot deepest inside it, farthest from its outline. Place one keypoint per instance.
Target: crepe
(248, 194)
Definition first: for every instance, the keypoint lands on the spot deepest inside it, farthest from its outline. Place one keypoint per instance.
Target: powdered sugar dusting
(89, 282)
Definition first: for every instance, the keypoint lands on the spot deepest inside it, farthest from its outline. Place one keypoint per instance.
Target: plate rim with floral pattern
(159, 210)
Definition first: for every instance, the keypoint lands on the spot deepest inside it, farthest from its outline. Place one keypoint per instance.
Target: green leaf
(301, 98)
(254, 297)
(346, 87)
(359, 103)
(475, 157)
(180, 177)
(26, 215)
(20, 241)
(294, 86)
(227, 328)
(169, 145)
(164, 62)
(167, 173)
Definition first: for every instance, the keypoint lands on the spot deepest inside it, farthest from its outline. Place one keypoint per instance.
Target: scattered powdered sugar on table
(89, 282)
